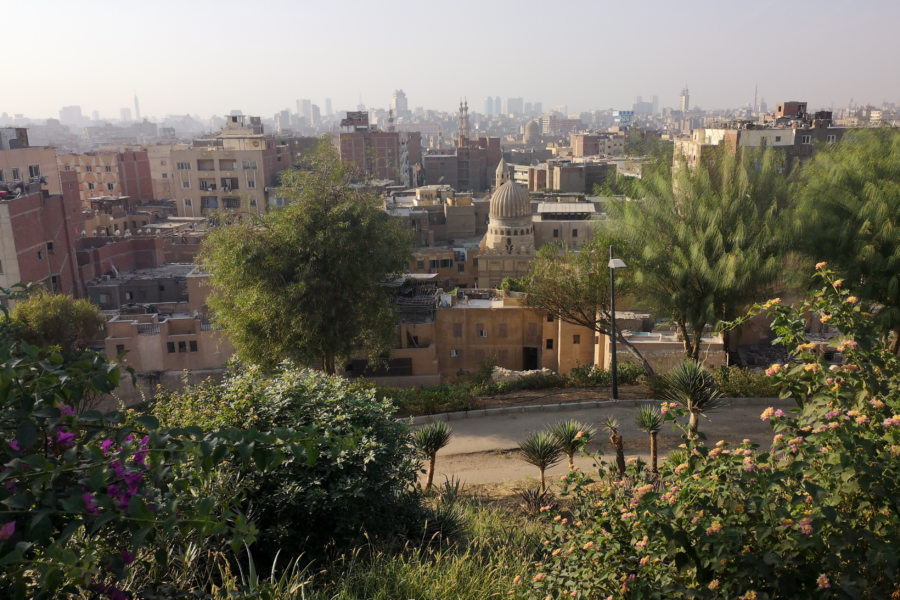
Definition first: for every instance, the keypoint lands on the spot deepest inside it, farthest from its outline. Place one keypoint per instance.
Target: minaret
(390, 119)
(463, 137)
(501, 176)
(137, 109)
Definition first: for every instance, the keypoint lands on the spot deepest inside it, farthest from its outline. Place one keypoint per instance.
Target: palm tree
(428, 440)
(541, 450)
(649, 420)
(611, 424)
(572, 435)
(693, 388)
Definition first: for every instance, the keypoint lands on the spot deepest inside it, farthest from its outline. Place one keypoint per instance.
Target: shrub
(363, 486)
(738, 382)
(812, 514)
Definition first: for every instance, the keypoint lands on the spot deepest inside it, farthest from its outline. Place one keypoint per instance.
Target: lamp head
(616, 263)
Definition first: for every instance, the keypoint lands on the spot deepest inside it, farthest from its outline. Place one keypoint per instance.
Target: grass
(498, 544)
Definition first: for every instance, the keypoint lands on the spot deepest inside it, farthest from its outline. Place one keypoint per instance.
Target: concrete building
(22, 164)
(594, 144)
(37, 237)
(376, 154)
(234, 172)
(125, 173)
(162, 284)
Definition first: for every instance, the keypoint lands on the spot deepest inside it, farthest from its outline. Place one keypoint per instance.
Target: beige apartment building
(162, 169)
(234, 172)
(21, 164)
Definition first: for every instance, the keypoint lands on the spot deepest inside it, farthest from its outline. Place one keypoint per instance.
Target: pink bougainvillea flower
(90, 505)
(64, 438)
(127, 557)
(64, 409)
(6, 530)
(105, 445)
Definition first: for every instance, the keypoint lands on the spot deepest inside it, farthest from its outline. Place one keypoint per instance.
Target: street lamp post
(614, 263)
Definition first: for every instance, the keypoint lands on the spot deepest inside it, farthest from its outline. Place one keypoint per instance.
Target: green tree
(572, 435)
(306, 282)
(704, 243)
(543, 451)
(649, 419)
(57, 320)
(849, 215)
(573, 285)
(428, 440)
(693, 389)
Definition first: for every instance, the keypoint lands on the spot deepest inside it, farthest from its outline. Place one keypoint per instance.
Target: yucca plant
(541, 450)
(428, 440)
(572, 435)
(694, 389)
(611, 425)
(649, 419)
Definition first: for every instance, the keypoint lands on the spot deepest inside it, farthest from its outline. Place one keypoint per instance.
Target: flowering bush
(813, 514)
(88, 500)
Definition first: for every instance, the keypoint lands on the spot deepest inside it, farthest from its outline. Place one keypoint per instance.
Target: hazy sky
(208, 57)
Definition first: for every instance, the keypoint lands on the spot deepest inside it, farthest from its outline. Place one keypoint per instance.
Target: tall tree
(305, 282)
(573, 285)
(705, 241)
(849, 215)
(57, 319)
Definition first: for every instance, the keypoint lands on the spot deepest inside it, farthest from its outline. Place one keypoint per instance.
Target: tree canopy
(703, 243)
(847, 215)
(306, 281)
(57, 319)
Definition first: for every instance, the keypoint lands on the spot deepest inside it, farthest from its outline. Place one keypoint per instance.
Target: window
(475, 262)
(15, 173)
(831, 138)
(110, 186)
(457, 330)
(249, 164)
(576, 339)
(251, 184)
(187, 202)
(182, 346)
(482, 331)
(162, 163)
(434, 264)
(90, 186)
(549, 343)
(454, 353)
(806, 139)
(50, 247)
(129, 295)
(420, 265)
(556, 233)
(183, 166)
(162, 288)
(40, 255)
(165, 175)
(549, 317)
(461, 267)
(170, 346)
(777, 138)
(54, 283)
(1, 267)
(574, 233)
(446, 262)
(186, 185)
(89, 168)
(120, 348)
(34, 170)
(231, 203)
(193, 345)
(107, 168)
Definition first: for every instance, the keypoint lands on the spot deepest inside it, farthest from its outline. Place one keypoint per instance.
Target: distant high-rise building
(137, 109)
(125, 114)
(514, 106)
(498, 106)
(328, 111)
(685, 99)
(655, 105)
(399, 104)
(306, 109)
(282, 121)
(315, 116)
(489, 106)
(70, 115)
(538, 108)
(95, 115)
(528, 108)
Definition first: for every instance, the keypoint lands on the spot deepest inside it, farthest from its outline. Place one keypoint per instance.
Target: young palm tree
(572, 435)
(693, 388)
(541, 450)
(428, 440)
(649, 420)
(611, 424)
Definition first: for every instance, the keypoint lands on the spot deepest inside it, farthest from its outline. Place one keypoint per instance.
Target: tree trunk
(431, 460)
(692, 424)
(698, 341)
(685, 338)
(616, 440)
(653, 452)
(571, 461)
(895, 343)
(634, 352)
(328, 364)
(543, 483)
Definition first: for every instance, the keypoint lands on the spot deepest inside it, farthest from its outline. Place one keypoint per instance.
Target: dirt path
(485, 449)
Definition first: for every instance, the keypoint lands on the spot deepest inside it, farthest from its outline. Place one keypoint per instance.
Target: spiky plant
(428, 440)
(693, 388)
(611, 425)
(571, 436)
(649, 419)
(541, 450)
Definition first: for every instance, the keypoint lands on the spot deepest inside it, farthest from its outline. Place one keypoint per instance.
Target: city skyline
(175, 58)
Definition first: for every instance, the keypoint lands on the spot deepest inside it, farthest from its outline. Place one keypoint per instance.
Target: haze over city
(207, 58)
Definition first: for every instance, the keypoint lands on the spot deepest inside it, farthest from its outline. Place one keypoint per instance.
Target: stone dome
(510, 201)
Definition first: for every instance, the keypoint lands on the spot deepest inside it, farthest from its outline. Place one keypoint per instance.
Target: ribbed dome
(510, 201)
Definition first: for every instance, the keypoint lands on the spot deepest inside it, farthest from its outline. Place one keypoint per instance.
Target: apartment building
(234, 172)
(110, 173)
(22, 164)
